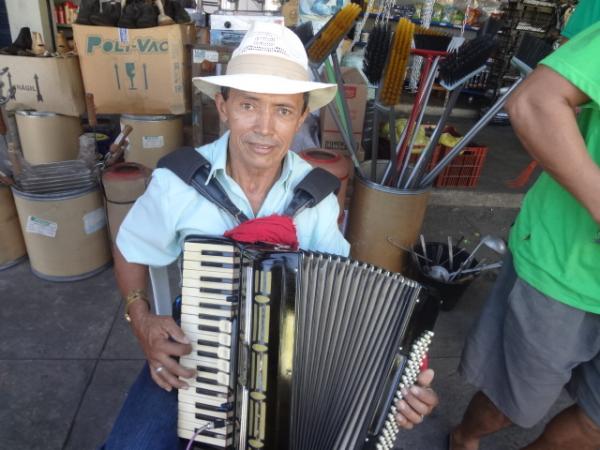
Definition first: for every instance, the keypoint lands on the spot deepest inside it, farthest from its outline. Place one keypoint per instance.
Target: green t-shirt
(586, 13)
(553, 239)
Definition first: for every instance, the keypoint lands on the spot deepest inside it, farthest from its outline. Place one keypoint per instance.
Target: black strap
(311, 190)
(194, 169)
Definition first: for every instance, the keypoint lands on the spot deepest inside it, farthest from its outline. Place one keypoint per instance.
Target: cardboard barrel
(12, 246)
(123, 183)
(335, 162)
(65, 233)
(48, 137)
(383, 220)
(152, 137)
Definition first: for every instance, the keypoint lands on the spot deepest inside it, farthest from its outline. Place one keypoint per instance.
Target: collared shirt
(154, 229)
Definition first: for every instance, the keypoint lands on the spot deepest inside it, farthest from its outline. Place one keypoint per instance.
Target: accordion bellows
(296, 350)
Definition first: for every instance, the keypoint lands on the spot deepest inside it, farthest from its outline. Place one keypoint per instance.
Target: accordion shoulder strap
(194, 169)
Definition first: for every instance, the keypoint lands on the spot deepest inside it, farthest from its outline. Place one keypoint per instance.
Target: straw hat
(270, 60)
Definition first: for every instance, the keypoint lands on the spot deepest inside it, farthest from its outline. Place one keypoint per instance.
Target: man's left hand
(418, 401)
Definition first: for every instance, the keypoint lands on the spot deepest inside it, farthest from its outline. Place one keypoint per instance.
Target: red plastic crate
(464, 170)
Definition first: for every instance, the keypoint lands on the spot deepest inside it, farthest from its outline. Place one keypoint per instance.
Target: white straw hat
(270, 60)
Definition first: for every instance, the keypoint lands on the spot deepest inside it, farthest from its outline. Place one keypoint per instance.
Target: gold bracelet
(132, 297)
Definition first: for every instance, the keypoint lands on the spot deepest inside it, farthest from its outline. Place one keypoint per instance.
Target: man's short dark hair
(225, 94)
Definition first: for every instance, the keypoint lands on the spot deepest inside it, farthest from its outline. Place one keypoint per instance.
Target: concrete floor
(67, 356)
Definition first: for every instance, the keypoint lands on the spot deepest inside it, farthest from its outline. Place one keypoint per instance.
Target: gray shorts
(526, 347)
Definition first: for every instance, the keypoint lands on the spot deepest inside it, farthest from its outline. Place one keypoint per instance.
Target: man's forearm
(130, 277)
(544, 120)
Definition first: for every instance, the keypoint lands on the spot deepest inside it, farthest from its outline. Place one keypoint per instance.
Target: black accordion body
(296, 350)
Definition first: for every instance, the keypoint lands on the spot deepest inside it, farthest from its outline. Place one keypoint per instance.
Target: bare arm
(159, 336)
(542, 112)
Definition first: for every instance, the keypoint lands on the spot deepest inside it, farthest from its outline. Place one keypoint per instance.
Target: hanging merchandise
(415, 71)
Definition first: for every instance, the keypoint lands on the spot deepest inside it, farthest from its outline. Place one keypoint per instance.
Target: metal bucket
(152, 137)
(383, 221)
(122, 183)
(12, 246)
(65, 233)
(48, 137)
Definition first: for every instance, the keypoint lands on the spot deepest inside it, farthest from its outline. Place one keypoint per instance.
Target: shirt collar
(218, 161)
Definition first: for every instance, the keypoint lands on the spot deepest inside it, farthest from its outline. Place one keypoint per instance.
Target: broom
(530, 51)
(319, 49)
(455, 71)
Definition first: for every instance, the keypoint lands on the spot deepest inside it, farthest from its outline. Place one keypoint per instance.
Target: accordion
(295, 350)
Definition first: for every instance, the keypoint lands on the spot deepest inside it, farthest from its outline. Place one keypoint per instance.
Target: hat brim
(320, 94)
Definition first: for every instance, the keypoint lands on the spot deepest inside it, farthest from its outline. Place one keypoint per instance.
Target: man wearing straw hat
(263, 99)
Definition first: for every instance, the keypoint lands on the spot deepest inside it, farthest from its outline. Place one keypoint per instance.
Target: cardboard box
(44, 84)
(136, 71)
(355, 91)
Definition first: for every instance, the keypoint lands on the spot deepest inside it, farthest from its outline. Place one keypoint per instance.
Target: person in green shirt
(539, 331)
(587, 13)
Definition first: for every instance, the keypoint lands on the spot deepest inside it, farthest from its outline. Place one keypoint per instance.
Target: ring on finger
(159, 369)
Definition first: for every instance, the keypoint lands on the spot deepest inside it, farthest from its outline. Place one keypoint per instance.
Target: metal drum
(152, 137)
(48, 137)
(65, 233)
(384, 221)
(12, 247)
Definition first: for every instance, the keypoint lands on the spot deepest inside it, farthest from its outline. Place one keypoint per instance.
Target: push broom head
(530, 52)
(465, 62)
(329, 37)
(377, 51)
(393, 77)
(432, 42)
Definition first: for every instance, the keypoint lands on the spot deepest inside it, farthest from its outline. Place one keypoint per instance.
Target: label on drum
(35, 225)
(153, 141)
(201, 55)
(94, 221)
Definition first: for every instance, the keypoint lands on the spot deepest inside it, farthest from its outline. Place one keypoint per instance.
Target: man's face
(262, 126)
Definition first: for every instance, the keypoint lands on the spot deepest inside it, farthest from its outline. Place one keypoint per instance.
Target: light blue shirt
(154, 229)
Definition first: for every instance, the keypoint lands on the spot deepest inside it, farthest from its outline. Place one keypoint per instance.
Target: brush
(319, 49)
(332, 33)
(531, 50)
(455, 71)
(376, 52)
(395, 69)
(432, 47)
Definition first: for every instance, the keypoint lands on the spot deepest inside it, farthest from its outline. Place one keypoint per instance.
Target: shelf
(64, 25)
(432, 24)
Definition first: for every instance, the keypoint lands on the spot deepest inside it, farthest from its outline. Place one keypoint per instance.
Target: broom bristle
(393, 78)
(332, 33)
(435, 42)
(377, 52)
(466, 59)
(532, 50)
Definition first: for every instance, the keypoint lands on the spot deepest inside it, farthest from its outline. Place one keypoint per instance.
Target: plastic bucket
(65, 233)
(335, 162)
(12, 246)
(122, 183)
(384, 220)
(152, 137)
(48, 137)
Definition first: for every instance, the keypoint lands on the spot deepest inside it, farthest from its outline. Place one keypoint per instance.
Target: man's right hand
(162, 340)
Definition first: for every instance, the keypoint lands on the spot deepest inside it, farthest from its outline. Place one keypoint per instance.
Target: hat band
(266, 65)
